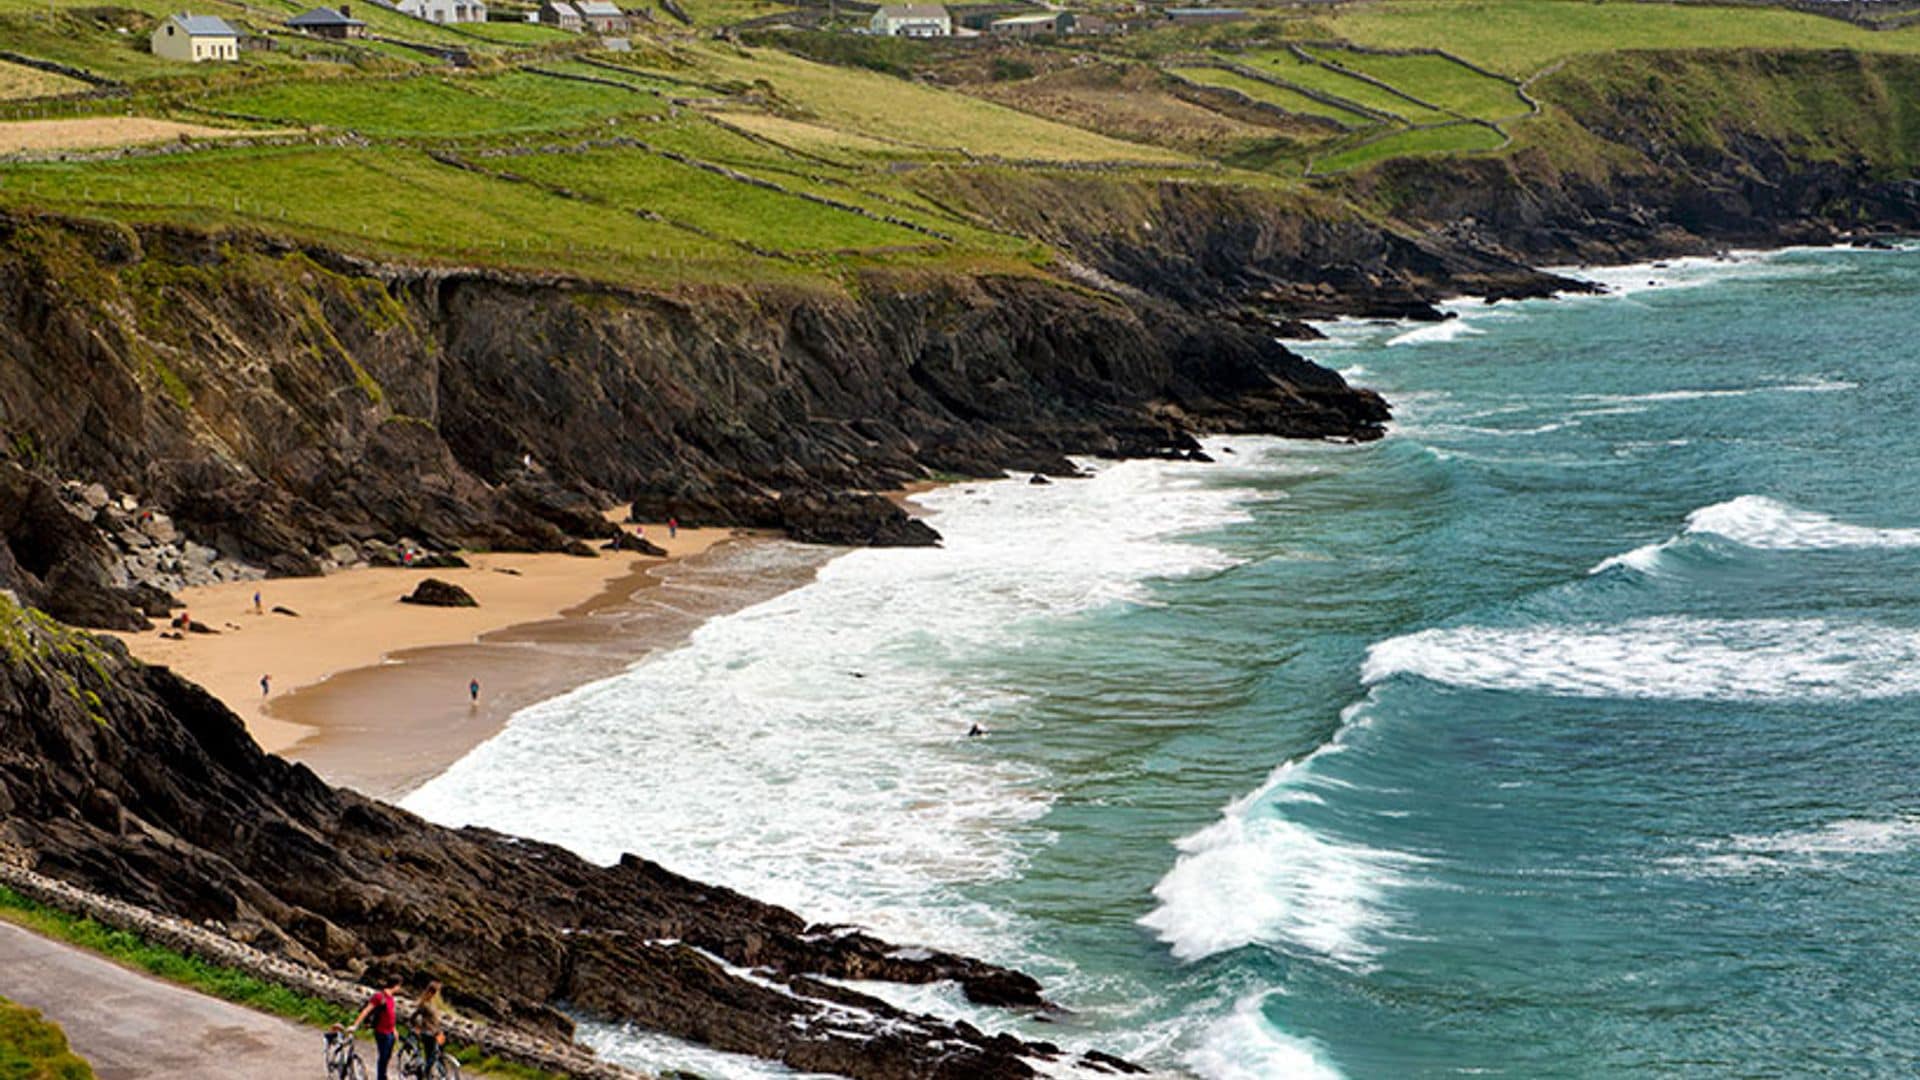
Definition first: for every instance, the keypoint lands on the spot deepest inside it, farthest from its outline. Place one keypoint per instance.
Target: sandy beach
(373, 693)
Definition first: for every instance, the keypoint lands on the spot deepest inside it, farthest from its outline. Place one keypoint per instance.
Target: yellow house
(195, 38)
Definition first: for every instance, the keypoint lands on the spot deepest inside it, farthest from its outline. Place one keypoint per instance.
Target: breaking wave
(1764, 524)
(1673, 658)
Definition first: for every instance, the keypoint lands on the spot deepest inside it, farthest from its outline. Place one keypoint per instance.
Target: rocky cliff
(280, 403)
(1651, 154)
(128, 781)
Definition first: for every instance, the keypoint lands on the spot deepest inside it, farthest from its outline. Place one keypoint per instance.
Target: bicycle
(412, 1057)
(343, 1056)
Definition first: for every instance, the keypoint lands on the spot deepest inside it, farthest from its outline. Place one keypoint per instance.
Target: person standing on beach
(473, 691)
(385, 1010)
(266, 685)
(257, 609)
(673, 528)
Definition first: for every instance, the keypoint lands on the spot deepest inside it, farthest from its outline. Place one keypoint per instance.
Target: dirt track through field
(93, 132)
(132, 1027)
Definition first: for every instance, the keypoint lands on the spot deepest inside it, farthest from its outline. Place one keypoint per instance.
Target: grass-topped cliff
(356, 283)
(473, 285)
(713, 267)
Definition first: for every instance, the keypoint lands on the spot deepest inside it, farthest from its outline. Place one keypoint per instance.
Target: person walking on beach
(257, 609)
(673, 528)
(473, 691)
(385, 1012)
(426, 1024)
(266, 685)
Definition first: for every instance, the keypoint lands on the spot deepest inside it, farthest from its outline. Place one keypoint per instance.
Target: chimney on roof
(346, 12)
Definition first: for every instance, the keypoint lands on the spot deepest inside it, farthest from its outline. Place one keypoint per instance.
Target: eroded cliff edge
(280, 400)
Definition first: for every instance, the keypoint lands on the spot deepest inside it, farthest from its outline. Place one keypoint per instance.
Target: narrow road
(133, 1027)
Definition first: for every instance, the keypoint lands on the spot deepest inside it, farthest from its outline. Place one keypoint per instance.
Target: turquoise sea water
(1572, 730)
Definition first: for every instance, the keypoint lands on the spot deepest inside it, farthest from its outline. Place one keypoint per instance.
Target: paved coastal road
(132, 1027)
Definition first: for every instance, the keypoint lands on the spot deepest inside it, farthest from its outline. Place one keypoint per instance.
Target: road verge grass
(34, 1048)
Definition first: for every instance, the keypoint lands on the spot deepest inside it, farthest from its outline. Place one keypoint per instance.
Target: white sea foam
(1795, 850)
(1244, 1046)
(1851, 836)
(1645, 559)
(1605, 403)
(1759, 522)
(652, 1052)
(1668, 658)
(1693, 271)
(810, 750)
(1434, 333)
(1764, 524)
(1258, 877)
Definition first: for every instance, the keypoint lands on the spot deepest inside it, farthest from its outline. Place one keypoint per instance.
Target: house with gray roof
(195, 39)
(911, 20)
(329, 23)
(603, 17)
(561, 14)
(444, 11)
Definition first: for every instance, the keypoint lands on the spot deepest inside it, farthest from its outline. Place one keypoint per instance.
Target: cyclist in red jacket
(385, 1012)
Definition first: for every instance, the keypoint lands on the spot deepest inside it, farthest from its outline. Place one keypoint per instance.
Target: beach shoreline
(373, 694)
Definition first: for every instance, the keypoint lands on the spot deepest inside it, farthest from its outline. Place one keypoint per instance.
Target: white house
(603, 17)
(194, 38)
(444, 11)
(912, 20)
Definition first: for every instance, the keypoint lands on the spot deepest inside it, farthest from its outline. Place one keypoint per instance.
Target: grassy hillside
(1520, 37)
(807, 156)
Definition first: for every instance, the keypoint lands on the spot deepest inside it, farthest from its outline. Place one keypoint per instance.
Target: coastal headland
(474, 288)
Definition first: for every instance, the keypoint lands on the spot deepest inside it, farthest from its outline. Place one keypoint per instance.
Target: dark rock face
(439, 561)
(53, 560)
(129, 781)
(470, 409)
(1244, 253)
(432, 592)
(852, 519)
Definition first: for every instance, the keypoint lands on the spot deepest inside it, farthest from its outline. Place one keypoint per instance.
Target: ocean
(1571, 730)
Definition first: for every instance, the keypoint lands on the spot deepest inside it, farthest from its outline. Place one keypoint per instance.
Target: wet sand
(387, 729)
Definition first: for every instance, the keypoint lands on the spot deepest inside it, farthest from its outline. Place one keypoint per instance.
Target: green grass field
(1285, 66)
(866, 103)
(1520, 37)
(864, 122)
(1418, 142)
(34, 1048)
(1437, 80)
(1277, 96)
(438, 104)
(736, 210)
(387, 201)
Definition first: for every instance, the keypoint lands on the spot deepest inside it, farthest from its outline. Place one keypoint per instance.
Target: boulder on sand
(436, 593)
(634, 542)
